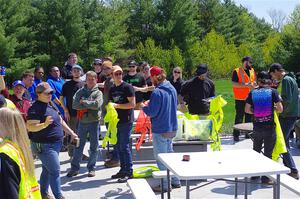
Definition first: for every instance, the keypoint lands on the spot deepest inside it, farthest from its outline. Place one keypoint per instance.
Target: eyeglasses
(131, 66)
(178, 72)
(118, 74)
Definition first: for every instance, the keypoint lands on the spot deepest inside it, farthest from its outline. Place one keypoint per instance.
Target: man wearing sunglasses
(243, 81)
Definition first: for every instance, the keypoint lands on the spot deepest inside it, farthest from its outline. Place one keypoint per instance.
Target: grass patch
(224, 88)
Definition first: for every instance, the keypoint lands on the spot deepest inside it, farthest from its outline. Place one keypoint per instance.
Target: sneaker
(112, 163)
(176, 186)
(267, 181)
(158, 189)
(85, 157)
(118, 175)
(47, 196)
(72, 173)
(91, 174)
(125, 178)
(294, 175)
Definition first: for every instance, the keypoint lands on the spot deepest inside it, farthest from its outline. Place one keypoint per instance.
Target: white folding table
(222, 164)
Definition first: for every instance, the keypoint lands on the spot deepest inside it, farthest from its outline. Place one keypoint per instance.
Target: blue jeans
(122, 146)
(163, 145)
(48, 154)
(93, 129)
(287, 124)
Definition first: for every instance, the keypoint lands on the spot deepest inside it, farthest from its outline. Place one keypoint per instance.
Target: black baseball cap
(201, 69)
(133, 63)
(247, 58)
(263, 75)
(275, 66)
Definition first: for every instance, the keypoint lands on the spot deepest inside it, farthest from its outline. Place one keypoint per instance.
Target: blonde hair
(178, 69)
(12, 123)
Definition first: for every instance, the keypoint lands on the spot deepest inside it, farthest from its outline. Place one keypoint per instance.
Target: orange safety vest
(242, 93)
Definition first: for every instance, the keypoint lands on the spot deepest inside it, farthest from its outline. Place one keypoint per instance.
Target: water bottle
(3, 71)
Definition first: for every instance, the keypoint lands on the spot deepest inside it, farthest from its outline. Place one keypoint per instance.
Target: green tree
(176, 21)
(59, 28)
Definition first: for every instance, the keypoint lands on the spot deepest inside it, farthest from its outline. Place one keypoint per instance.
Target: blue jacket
(162, 108)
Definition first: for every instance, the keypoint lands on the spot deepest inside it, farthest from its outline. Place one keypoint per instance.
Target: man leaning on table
(162, 109)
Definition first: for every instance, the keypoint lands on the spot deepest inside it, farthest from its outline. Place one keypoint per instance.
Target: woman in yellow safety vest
(17, 179)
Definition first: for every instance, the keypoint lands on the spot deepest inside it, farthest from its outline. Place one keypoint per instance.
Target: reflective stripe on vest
(241, 93)
(29, 187)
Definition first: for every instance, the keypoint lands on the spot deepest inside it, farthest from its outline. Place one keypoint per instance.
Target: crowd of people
(69, 106)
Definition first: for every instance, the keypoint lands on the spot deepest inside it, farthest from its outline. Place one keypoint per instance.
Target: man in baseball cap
(163, 122)
(196, 90)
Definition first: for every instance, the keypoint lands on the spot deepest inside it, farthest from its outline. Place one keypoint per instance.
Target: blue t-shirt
(52, 133)
(32, 89)
(56, 84)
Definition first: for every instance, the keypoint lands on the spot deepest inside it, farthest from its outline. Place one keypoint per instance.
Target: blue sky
(261, 7)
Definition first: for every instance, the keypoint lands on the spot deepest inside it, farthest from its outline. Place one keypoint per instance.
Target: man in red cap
(162, 109)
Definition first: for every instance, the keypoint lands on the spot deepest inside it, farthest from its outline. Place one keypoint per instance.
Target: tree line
(162, 32)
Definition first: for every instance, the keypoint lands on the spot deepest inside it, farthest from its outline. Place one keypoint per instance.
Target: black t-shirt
(68, 91)
(52, 133)
(235, 77)
(262, 101)
(177, 85)
(10, 177)
(138, 81)
(146, 96)
(119, 95)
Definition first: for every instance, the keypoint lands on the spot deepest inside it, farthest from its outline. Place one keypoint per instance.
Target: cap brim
(116, 70)
(18, 85)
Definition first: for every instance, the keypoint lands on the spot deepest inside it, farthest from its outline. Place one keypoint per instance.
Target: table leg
(168, 183)
(187, 190)
(277, 196)
(246, 188)
(162, 188)
(236, 188)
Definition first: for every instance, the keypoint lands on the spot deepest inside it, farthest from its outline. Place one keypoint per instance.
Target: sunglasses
(118, 74)
(131, 66)
(178, 72)
(50, 93)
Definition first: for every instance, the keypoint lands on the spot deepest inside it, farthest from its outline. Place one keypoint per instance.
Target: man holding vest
(243, 81)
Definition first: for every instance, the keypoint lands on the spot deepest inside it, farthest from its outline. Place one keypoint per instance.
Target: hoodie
(289, 94)
(92, 100)
(162, 108)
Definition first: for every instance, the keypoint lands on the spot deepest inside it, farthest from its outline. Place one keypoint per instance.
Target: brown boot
(112, 163)
(47, 196)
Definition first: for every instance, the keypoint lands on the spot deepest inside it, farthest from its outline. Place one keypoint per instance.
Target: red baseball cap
(155, 70)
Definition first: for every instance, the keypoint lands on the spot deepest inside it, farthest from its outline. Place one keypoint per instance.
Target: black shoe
(72, 173)
(236, 138)
(118, 175)
(265, 180)
(254, 178)
(125, 178)
(176, 186)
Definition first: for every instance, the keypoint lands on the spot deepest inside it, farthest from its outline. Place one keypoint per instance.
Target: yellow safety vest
(29, 187)
(112, 119)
